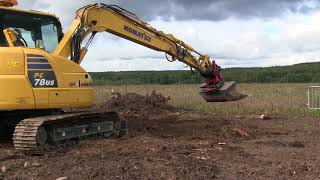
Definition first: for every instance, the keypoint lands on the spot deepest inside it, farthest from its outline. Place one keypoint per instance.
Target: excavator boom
(96, 18)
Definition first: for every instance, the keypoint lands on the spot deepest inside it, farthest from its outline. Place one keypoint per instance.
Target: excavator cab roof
(3, 6)
(34, 26)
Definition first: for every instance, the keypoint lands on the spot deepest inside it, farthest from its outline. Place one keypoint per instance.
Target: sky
(235, 33)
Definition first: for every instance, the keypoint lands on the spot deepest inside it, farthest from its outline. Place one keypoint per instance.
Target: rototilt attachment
(226, 93)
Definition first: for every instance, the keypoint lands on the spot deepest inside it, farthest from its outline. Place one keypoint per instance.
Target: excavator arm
(97, 18)
(113, 19)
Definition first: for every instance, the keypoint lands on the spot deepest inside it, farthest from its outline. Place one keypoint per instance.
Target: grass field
(276, 99)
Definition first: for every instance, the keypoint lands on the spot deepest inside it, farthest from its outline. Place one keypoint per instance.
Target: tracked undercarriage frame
(38, 135)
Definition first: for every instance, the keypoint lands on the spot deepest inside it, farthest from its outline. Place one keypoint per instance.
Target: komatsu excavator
(40, 73)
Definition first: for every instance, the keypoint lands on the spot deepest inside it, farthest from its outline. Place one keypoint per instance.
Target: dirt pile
(151, 114)
(140, 104)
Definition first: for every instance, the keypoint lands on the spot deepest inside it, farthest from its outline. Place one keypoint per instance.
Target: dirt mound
(135, 102)
(151, 114)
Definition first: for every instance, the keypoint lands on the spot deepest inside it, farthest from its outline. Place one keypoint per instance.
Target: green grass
(277, 99)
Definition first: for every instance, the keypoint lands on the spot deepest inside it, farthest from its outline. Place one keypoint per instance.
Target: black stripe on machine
(34, 56)
(37, 60)
(39, 66)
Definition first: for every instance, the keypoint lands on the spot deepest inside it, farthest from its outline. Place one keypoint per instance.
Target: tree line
(299, 73)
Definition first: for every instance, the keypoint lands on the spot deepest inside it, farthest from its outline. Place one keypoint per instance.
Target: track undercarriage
(36, 135)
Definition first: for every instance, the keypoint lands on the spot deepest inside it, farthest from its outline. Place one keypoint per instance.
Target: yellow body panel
(15, 93)
(15, 90)
(11, 61)
(21, 81)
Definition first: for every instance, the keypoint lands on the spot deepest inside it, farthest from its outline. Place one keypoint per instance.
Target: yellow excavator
(40, 73)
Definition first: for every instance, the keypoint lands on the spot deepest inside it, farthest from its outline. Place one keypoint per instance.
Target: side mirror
(11, 36)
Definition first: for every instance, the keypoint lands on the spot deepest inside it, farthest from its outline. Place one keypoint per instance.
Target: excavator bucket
(226, 93)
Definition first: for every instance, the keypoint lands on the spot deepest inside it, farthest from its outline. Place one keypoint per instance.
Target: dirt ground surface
(166, 142)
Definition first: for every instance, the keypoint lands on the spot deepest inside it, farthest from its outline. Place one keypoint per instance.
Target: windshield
(39, 31)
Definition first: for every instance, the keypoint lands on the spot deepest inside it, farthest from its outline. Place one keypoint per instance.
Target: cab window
(38, 31)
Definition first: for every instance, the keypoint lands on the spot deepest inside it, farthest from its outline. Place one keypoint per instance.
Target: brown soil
(166, 142)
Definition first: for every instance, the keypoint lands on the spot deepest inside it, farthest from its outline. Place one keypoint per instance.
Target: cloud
(218, 9)
(214, 10)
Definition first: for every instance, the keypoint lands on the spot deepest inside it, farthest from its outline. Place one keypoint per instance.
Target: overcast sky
(237, 33)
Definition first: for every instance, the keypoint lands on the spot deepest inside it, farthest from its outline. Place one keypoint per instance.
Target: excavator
(40, 73)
